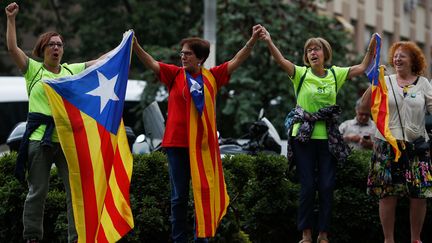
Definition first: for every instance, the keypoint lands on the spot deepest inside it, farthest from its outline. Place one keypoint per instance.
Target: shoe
(306, 240)
(322, 238)
(32, 241)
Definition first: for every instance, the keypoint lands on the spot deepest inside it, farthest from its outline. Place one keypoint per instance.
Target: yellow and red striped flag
(87, 109)
(210, 195)
(379, 96)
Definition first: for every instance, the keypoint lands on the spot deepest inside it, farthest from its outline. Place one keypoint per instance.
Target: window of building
(410, 5)
(367, 36)
(385, 46)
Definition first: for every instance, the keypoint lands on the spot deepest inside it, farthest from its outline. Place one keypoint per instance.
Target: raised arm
(19, 57)
(92, 62)
(244, 53)
(277, 55)
(145, 58)
(366, 98)
(359, 69)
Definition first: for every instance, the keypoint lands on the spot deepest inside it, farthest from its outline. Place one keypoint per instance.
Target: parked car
(14, 105)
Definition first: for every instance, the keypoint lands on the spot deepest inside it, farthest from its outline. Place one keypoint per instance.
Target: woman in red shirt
(190, 137)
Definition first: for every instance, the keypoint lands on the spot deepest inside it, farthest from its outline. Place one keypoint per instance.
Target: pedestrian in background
(359, 132)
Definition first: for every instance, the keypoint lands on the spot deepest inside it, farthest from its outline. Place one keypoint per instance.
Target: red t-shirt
(176, 124)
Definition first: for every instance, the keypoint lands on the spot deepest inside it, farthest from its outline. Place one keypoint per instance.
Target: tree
(94, 27)
(260, 82)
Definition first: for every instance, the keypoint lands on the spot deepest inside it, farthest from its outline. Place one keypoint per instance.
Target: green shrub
(263, 206)
(12, 195)
(150, 199)
(355, 214)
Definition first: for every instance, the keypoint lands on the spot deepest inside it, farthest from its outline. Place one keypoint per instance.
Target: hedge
(263, 205)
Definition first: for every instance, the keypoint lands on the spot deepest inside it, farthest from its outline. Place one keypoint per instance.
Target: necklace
(406, 85)
(406, 82)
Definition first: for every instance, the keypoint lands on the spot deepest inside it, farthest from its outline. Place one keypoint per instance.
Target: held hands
(265, 35)
(256, 31)
(372, 44)
(12, 9)
(135, 43)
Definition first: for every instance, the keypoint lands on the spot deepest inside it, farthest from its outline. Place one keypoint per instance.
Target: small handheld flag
(379, 98)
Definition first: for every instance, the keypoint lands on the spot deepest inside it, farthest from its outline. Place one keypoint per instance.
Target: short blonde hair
(321, 42)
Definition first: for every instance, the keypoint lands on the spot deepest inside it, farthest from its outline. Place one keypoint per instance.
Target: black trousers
(316, 169)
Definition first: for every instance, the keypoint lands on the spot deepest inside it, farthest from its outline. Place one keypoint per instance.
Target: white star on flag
(105, 90)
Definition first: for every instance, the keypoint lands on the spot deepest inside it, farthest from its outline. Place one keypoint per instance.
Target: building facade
(394, 20)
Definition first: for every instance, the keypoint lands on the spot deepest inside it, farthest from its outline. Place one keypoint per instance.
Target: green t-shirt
(316, 93)
(38, 101)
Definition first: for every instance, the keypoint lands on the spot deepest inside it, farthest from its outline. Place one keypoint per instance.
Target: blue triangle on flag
(84, 89)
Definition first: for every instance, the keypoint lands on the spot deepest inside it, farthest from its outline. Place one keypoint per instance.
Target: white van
(14, 103)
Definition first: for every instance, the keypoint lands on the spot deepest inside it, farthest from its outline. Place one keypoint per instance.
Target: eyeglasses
(316, 49)
(186, 53)
(53, 44)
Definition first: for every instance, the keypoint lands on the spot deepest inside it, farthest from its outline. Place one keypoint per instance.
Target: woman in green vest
(314, 141)
(40, 146)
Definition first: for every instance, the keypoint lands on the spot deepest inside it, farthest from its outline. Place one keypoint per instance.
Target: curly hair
(417, 57)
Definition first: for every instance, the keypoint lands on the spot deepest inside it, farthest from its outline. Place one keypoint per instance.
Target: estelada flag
(87, 110)
(379, 98)
(209, 189)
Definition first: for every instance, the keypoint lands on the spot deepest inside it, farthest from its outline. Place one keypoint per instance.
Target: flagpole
(210, 19)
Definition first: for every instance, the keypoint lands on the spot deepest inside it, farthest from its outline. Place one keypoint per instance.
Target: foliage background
(263, 205)
(91, 30)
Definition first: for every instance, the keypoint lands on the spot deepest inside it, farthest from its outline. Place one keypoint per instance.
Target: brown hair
(321, 42)
(417, 57)
(200, 47)
(38, 49)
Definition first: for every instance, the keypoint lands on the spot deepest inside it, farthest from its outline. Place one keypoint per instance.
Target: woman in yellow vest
(314, 141)
(40, 140)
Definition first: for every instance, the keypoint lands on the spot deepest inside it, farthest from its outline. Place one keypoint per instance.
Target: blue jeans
(316, 168)
(179, 171)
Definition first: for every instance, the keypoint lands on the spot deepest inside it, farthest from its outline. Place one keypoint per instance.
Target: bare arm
(359, 69)
(19, 57)
(92, 62)
(145, 58)
(244, 53)
(277, 55)
(366, 98)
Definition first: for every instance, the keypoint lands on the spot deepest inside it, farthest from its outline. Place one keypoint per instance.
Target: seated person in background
(359, 132)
